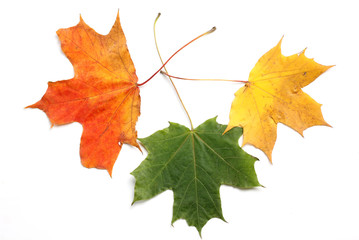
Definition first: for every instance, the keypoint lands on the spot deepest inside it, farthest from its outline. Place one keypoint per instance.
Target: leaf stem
(174, 86)
(204, 79)
(163, 64)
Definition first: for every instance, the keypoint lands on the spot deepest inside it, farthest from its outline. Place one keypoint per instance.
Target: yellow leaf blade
(273, 95)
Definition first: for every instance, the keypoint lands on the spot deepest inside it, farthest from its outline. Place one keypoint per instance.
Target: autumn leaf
(193, 164)
(103, 95)
(274, 95)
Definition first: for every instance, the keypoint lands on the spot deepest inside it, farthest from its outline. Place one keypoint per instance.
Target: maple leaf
(103, 95)
(193, 164)
(273, 95)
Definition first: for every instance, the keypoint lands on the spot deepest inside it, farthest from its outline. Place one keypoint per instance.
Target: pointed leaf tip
(118, 14)
(81, 19)
(279, 44)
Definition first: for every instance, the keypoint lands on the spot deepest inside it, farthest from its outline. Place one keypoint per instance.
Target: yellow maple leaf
(273, 95)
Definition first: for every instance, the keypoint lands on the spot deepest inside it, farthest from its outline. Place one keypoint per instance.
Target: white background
(311, 190)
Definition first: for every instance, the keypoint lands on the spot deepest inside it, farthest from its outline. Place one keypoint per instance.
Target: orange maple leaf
(103, 95)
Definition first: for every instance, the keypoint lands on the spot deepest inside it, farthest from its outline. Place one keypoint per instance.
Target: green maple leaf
(193, 164)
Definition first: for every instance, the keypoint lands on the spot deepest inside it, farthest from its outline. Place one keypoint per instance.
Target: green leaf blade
(193, 164)
(153, 176)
